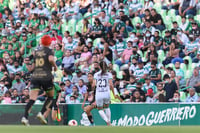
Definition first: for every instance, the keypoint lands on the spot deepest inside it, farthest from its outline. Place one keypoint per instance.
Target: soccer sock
(108, 113)
(103, 115)
(90, 119)
(28, 108)
(46, 104)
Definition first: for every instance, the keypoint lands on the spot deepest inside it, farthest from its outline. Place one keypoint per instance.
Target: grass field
(99, 129)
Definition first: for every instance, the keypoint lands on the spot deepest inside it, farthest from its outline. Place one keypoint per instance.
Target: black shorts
(54, 105)
(92, 103)
(46, 85)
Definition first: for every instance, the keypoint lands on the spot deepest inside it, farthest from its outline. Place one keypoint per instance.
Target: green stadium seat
(188, 74)
(183, 96)
(136, 20)
(79, 26)
(120, 75)
(158, 7)
(163, 13)
(171, 13)
(189, 61)
(11, 4)
(96, 41)
(64, 27)
(183, 67)
(140, 53)
(161, 55)
(71, 26)
(193, 66)
(177, 19)
(170, 65)
(197, 18)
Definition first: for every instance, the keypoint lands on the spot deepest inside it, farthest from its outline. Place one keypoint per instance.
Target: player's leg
(88, 110)
(33, 96)
(107, 109)
(99, 102)
(54, 111)
(48, 87)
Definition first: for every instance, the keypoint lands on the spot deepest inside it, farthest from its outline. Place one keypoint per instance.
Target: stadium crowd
(152, 48)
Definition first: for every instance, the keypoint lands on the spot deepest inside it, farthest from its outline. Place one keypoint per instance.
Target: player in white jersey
(103, 83)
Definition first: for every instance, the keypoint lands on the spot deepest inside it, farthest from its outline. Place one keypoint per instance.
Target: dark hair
(62, 83)
(169, 68)
(166, 76)
(154, 62)
(147, 10)
(103, 67)
(153, 10)
(90, 74)
(114, 72)
(98, 21)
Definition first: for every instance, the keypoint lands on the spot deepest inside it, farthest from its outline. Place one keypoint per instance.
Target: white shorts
(102, 98)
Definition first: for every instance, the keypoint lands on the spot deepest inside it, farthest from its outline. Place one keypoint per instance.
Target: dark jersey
(43, 67)
(91, 93)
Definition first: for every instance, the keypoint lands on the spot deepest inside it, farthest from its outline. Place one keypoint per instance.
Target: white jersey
(102, 88)
(102, 81)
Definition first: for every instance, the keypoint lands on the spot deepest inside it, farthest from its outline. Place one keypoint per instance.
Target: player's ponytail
(103, 67)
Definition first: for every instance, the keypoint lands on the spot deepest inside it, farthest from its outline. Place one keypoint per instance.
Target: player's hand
(83, 105)
(115, 96)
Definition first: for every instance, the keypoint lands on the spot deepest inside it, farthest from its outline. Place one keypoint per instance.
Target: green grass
(99, 129)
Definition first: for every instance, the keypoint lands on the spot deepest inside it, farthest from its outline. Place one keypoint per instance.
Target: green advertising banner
(122, 114)
(142, 114)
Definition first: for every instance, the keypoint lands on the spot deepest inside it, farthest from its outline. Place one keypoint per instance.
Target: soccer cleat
(41, 118)
(92, 124)
(25, 121)
(108, 123)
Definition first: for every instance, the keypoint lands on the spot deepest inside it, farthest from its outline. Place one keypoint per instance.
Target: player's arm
(85, 98)
(51, 60)
(112, 87)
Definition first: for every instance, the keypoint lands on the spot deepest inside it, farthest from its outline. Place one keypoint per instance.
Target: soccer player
(41, 79)
(90, 95)
(54, 105)
(103, 83)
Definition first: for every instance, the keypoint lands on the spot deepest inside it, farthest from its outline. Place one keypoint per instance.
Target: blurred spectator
(79, 75)
(140, 72)
(68, 87)
(25, 96)
(176, 98)
(74, 97)
(125, 55)
(193, 97)
(179, 75)
(136, 98)
(190, 48)
(155, 73)
(156, 20)
(82, 88)
(97, 29)
(7, 98)
(141, 92)
(150, 96)
(148, 84)
(3, 89)
(170, 87)
(187, 7)
(15, 97)
(193, 81)
(18, 83)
